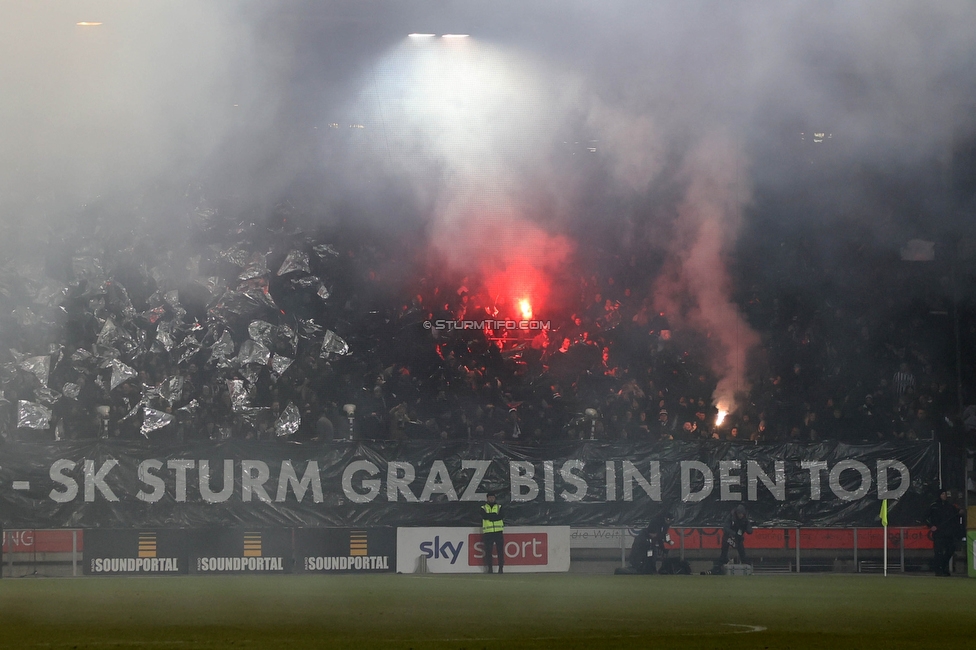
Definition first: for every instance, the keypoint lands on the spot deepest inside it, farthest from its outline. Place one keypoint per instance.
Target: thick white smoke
(475, 128)
(146, 99)
(471, 128)
(479, 130)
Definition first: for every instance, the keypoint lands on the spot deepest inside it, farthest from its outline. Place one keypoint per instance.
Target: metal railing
(863, 554)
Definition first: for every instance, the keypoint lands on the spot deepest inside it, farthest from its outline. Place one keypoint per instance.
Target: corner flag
(884, 522)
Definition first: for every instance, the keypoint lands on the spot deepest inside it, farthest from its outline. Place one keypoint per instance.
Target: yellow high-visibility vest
(487, 525)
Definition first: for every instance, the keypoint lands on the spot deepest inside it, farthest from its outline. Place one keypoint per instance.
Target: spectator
(903, 381)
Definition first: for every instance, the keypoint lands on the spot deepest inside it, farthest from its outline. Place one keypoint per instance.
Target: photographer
(650, 544)
(737, 525)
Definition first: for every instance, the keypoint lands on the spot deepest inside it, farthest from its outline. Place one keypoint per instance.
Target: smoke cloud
(650, 124)
(145, 101)
(695, 288)
(475, 128)
(470, 128)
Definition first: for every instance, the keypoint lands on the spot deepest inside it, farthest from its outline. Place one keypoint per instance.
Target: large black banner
(271, 484)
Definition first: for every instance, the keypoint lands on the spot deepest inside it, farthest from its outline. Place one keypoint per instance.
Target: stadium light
(455, 36)
(420, 35)
(87, 24)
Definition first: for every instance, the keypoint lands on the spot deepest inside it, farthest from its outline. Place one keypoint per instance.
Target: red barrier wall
(810, 538)
(41, 541)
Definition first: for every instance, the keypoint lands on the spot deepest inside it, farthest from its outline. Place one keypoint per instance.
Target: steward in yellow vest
(492, 528)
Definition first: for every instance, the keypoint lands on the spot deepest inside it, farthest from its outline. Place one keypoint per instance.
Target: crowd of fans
(263, 331)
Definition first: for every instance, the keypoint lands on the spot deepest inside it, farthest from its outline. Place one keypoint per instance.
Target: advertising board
(345, 550)
(528, 549)
(135, 552)
(602, 537)
(230, 550)
(43, 541)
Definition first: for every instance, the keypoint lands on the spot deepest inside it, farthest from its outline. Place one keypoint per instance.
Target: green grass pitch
(482, 611)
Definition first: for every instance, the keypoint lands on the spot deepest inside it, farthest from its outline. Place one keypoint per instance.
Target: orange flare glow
(525, 308)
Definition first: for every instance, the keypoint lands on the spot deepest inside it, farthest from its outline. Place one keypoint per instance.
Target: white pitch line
(749, 628)
(101, 643)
